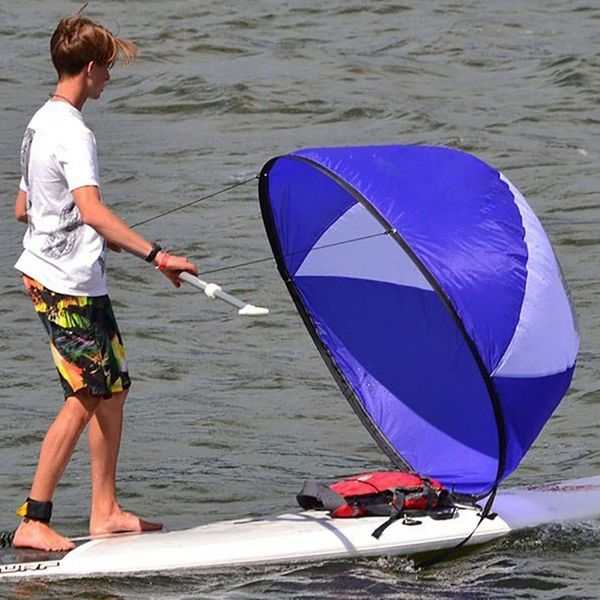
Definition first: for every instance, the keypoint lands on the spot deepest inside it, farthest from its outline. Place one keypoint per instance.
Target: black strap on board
(445, 554)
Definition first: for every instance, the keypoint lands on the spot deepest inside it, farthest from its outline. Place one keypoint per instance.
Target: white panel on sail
(545, 340)
(357, 246)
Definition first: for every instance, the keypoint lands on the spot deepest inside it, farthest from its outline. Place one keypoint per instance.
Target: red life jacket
(381, 493)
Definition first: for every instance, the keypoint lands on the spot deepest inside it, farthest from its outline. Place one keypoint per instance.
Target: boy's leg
(104, 440)
(57, 448)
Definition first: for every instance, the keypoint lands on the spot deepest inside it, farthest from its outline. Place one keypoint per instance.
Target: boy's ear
(89, 67)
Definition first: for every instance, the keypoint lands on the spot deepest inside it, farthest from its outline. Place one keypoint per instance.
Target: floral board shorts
(85, 342)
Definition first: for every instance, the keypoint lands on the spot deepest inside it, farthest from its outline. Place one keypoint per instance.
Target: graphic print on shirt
(102, 257)
(62, 241)
(25, 153)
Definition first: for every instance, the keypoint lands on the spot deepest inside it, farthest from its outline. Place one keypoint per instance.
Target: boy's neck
(71, 90)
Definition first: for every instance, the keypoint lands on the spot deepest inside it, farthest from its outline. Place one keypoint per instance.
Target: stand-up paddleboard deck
(304, 536)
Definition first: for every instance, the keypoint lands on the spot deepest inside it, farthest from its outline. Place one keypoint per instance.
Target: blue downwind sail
(433, 295)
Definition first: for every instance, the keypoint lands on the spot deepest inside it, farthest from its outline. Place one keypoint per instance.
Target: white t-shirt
(58, 155)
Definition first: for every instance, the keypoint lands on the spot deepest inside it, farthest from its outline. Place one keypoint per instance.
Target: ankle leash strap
(35, 510)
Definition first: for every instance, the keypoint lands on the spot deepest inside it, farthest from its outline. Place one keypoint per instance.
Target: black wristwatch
(152, 254)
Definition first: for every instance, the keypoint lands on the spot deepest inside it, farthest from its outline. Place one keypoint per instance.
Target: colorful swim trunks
(85, 342)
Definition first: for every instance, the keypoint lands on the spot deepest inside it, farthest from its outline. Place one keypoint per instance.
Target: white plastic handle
(212, 290)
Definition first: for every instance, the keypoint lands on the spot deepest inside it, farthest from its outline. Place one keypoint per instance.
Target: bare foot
(38, 535)
(121, 522)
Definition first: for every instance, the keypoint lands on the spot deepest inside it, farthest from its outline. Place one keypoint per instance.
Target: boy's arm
(115, 231)
(21, 206)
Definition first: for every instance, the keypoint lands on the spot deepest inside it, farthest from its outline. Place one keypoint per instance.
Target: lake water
(228, 416)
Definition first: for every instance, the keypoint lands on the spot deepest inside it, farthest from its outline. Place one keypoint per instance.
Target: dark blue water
(228, 416)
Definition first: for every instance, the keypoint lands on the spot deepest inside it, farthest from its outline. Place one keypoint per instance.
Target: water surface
(228, 416)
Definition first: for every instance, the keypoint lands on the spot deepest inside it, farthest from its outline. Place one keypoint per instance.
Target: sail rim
(349, 393)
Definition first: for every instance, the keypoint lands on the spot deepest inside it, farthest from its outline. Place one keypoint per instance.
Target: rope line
(259, 260)
(182, 206)
(306, 250)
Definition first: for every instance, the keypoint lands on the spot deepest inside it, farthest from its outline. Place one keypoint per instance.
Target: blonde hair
(78, 41)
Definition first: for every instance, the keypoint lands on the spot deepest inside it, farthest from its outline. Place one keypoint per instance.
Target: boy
(63, 267)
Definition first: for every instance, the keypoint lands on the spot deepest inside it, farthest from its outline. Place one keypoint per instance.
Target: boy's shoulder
(60, 113)
(60, 119)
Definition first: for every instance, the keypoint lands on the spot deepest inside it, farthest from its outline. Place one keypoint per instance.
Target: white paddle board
(305, 536)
